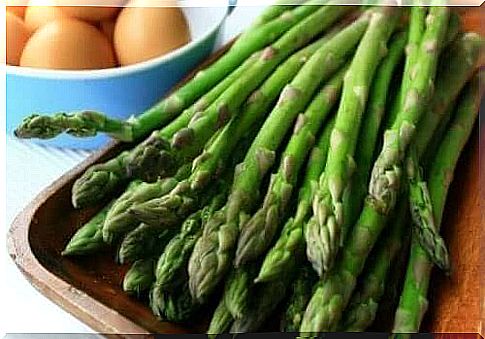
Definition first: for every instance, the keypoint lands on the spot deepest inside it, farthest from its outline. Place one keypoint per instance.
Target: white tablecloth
(30, 169)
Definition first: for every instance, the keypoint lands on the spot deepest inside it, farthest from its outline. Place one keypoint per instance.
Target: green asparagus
(118, 221)
(299, 298)
(171, 270)
(363, 305)
(176, 306)
(257, 234)
(89, 238)
(332, 294)
(424, 226)
(139, 277)
(214, 250)
(290, 246)
(238, 288)
(265, 299)
(413, 302)
(370, 130)
(221, 320)
(323, 232)
(144, 241)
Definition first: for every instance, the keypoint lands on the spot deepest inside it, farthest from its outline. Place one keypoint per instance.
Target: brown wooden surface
(90, 288)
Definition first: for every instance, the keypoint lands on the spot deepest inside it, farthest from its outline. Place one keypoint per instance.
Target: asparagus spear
(456, 66)
(413, 302)
(118, 222)
(221, 320)
(238, 288)
(369, 132)
(277, 9)
(257, 234)
(214, 250)
(171, 270)
(290, 246)
(415, 34)
(139, 277)
(424, 226)
(324, 230)
(386, 172)
(144, 241)
(265, 299)
(299, 298)
(88, 123)
(213, 159)
(363, 305)
(176, 306)
(88, 239)
(333, 293)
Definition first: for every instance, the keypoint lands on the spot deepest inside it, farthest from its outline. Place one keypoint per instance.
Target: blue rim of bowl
(114, 71)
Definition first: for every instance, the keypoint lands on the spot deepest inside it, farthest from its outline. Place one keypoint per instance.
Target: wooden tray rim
(95, 314)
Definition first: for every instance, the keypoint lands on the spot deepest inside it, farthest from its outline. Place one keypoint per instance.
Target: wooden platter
(90, 288)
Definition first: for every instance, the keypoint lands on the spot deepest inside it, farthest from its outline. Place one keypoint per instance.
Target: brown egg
(17, 36)
(68, 44)
(17, 10)
(108, 28)
(144, 33)
(37, 16)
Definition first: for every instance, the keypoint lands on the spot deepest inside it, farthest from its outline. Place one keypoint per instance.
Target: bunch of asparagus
(287, 173)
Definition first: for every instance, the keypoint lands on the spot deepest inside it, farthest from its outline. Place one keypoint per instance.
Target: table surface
(30, 169)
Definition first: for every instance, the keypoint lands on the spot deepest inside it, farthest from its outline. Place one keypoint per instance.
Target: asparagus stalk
(89, 238)
(424, 226)
(290, 246)
(144, 241)
(299, 298)
(416, 30)
(324, 230)
(386, 172)
(221, 320)
(238, 288)
(213, 252)
(90, 123)
(369, 132)
(214, 158)
(413, 302)
(265, 300)
(171, 270)
(139, 277)
(415, 34)
(257, 234)
(175, 306)
(363, 305)
(456, 67)
(277, 9)
(332, 294)
(118, 221)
